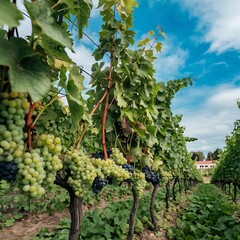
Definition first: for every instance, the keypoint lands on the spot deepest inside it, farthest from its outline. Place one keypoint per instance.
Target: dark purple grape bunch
(8, 171)
(128, 167)
(101, 154)
(98, 184)
(150, 175)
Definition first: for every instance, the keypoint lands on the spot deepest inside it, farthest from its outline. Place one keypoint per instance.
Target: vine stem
(46, 106)
(106, 98)
(167, 194)
(57, 3)
(91, 114)
(133, 214)
(75, 208)
(152, 204)
(104, 118)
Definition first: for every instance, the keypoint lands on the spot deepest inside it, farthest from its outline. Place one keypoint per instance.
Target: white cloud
(83, 58)
(219, 22)
(210, 120)
(170, 61)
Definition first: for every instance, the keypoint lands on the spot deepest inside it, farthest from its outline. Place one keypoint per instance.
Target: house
(205, 164)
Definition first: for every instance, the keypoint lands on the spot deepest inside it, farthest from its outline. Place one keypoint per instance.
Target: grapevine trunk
(132, 214)
(152, 212)
(76, 212)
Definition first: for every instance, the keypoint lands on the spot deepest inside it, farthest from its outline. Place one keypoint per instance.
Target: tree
(210, 156)
(198, 156)
(216, 154)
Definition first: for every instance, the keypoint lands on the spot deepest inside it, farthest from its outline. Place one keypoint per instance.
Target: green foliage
(110, 222)
(24, 63)
(228, 168)
(80, 10)
(15, 205)
(9, 14)
(198, 156)
(44, 24)
(209, 216)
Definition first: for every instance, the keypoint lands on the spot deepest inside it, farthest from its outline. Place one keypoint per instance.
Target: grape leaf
(28, 71)
(73, 90)
(81, 10)
(40, 14)
(9, 14)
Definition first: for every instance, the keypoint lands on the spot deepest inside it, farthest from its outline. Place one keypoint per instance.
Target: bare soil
(27, 227)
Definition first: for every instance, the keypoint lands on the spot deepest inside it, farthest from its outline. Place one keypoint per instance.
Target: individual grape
(150, 175)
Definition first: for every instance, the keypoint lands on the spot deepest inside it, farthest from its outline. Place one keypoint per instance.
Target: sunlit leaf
(9, 14)
(40, 13)
(28, 71)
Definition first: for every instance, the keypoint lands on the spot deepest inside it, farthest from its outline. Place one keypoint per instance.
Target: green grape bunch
(139, 182)
(110, 169)
(82, 171)
(13, 108)
(32, 173)
(118, 157)
(38, 168)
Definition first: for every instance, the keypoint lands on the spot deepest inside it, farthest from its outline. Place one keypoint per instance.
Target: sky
(202, 42)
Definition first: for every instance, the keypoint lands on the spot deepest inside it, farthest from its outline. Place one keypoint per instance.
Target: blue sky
(202, 41)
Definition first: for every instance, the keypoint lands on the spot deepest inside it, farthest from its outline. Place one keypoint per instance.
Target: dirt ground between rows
(27, 227)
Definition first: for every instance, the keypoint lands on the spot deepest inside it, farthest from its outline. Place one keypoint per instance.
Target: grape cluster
(38, 168)
(82, 171)
(57, 124)
(85, 172)
(150, 175)
(139, 182)
(99, 183)
(32, 173)
(101, 154)
(51, 148)
(110, 169)
(118, 157)
(8, 171)
(128, 167)
(13, 107)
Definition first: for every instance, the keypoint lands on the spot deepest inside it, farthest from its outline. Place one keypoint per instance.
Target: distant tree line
(199, 156)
